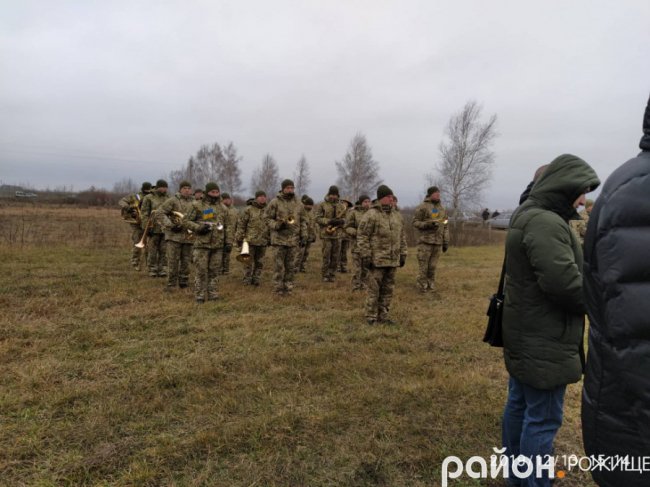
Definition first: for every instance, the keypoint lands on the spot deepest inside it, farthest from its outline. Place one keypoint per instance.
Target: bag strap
(503, 276)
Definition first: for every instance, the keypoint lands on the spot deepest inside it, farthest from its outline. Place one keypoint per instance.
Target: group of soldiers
(201, 228)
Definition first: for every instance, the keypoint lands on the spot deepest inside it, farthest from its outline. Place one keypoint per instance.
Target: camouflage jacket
(312, 226)
(579, 226)
(252, 226)
(233, 218)
(381, 236)
(430, 221)
(277, 212)
(215, 214)
(130, 201)
(152, 202)
(168, 219)
(352, 225)
(327, 211)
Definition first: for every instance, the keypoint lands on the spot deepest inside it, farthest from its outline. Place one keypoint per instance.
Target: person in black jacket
(616, 393)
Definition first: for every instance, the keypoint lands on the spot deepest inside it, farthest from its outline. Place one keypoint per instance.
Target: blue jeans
(531, 420)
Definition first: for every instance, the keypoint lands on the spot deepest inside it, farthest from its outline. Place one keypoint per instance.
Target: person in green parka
(544, 309)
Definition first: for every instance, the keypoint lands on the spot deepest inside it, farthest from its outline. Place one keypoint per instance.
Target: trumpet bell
(291, 220)
(244, 256)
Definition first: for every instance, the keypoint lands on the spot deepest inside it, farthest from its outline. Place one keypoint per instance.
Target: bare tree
(302, 176)
(230, 179)
(466, 158)
(358, 173)
(123, 186)
(266, 177)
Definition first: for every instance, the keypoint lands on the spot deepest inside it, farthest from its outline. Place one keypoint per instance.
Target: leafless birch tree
(466, 157)
(358, 172)
(266, 177)
(302, 176)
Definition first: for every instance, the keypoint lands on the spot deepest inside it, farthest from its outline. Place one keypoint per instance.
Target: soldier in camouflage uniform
(157, 258)
(131, 207)
(360, 275)
(345, 240)
(286, 235)
(233, 217)
(198, 194)
(382, 245)
(208, 219)
(252, 228)
(579, 226)
(330, 216)
(430, 222)
(303, 252)
(178, 239)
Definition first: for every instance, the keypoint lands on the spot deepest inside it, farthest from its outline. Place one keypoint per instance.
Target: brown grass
(105, 380)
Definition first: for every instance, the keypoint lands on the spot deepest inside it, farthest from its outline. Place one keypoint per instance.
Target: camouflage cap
(225, 196)
(210, 186)
(184, 184)
(161, 183)
(146, 186)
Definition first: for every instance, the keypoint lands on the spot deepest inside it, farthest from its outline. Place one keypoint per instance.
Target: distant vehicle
(502, 221)
(23, 194)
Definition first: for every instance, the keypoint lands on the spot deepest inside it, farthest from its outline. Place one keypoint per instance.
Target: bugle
(244, 256)
(145, 234)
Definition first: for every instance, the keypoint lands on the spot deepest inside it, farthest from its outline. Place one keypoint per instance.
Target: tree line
(463, 170)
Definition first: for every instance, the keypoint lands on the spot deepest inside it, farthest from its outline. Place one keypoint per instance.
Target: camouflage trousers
(225, 263)
(208, 265)
(285, 259)
(381, 282)
(428, 256)
(136, 253)
(331, 254)
(255, 264)
(360, 273)
(157, 258)
(343, 256)
(301, 257)
(179, 256)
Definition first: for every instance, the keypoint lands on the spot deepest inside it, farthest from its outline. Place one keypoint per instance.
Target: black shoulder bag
(494, 331)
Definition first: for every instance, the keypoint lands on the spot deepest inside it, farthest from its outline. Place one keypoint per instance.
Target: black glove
(176, 228)
(227, 248)
(432, 225)
(302, 242)
(402, 260)
(337, 222)
(282, 224)
(150, 232)
(366, 263)
(133, 212)
(445, 247)
(240, 243)
(204, 230)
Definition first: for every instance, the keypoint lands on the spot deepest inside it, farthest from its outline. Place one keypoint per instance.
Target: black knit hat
(259, 192)
(308, 201)
(287, 182)
(304, 197)
(333, 190)
(146, 187)
(184, 184)
(362, 198)
(161, 183)
(432, 189)
(383, 191)
(225, 196)
(210, 186)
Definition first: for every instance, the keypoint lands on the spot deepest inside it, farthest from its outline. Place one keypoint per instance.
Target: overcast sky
(92, 92)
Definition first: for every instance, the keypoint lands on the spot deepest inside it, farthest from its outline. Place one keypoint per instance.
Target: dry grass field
(106, 380)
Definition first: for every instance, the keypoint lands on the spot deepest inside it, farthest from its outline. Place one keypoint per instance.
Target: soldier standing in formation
(286, 218)
(208, 219)
(345, 240)
(253, 229)
(382, 245)
(157, 259)
(331, 218)
(430, 222)
(233, 216)
(198, 194)
(177, 239)
(303, 252)
(360, 273)
(130, 207)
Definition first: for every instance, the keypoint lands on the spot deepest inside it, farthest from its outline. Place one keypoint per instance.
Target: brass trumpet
(290, 220)
(138, 216)
(143, 240)
(244, 256)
